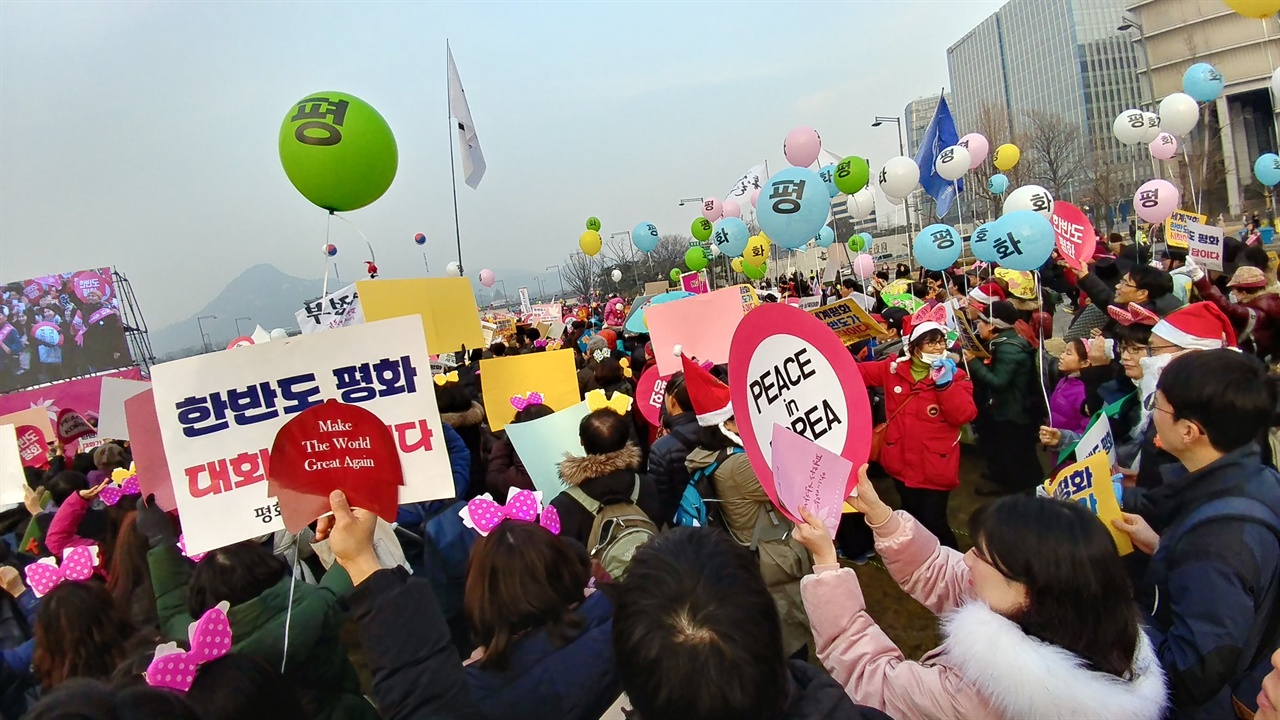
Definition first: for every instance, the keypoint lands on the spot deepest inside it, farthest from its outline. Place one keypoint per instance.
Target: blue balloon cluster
(1202, 82)
(937, 247)
(731, 236)
(1267, 169)
(793, 207)
(645, 236)
(828, 175)
(998, 184)
(1022, 240)
(980, 242)
(826, 236)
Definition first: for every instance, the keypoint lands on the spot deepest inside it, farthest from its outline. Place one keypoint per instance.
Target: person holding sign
(1253, 308)
(927, 400)
(1038, 617)
(1212, 586)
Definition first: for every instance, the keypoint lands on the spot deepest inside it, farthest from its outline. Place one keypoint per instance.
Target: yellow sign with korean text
(849, 321)
(446, 305)
(1176, 232)
(551, 374)
(1088, 482)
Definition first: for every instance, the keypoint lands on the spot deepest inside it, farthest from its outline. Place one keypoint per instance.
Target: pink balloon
(1164, 147)
(487, 278)
(712, 210)
(755, 196)
(978, 148)
(732, 209)
(864, 266)
(802, 146)
(1156, 200)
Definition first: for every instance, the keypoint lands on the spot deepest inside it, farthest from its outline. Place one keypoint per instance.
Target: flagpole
(453, 173)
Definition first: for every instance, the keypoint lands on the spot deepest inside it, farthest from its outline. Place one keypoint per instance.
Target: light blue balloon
(998, 184)
(1023, 240)
(1202, 82)
(826, 236)
(937, 247)
(868, 240)
(635, 323)
(731, 236)
(1267, 169)
(980, 242)
(645, 236)
(828, 175)
(794, 205)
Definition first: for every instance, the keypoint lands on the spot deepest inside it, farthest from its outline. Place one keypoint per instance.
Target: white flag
(753, 179)
(473, 166)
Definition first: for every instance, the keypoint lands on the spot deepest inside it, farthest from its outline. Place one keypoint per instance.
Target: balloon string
(324, 288)
(1190, 178)
(372, 259)
(1044, 388)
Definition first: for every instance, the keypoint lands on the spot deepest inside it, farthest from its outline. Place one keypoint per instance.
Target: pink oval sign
(651, 392)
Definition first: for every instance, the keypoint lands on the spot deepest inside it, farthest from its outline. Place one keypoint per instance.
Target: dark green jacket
(1008, 378)
(317, 663)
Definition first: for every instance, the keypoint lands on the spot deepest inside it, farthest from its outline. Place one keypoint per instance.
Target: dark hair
(498, 349)
(696, 634)
(62, 485)
(914, 346)
(677, 390)
(522, 577)
(1155, 281)
(919, 290)
(1135, 334)
(1255, 256)
(608, 373)
(532, 412)
(1227, 393)
(129, 570)
(604, 431)
(1176, 254)
(79, 632)
(237, 686)
(894, 317)
(235, 573)
(84, 699)
(476, 355)
(34, 477)
(452, 398)
(849, 283)
(882, 275)
(1078, 592)
(83, 463)
(1082, 350)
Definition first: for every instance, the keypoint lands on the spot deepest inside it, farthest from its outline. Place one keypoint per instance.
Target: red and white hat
(709, 396)
(1198, 326)
(986, 293)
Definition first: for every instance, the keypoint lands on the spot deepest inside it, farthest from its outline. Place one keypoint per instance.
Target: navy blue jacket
(548, 681)
(666, 463)
(1203, 593)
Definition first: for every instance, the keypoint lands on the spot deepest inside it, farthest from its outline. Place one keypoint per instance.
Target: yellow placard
(1089, 482)
(849, 321)
(551, 373)
(1176, 232)
(1021, 283)
(446, 305)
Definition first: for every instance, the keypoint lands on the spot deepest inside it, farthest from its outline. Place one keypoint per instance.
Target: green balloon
(675, 274)
(852, 174)
(753, 272)
(857, 244)
(695, 258)
(702, 228)
(593, 223)
(337, 151)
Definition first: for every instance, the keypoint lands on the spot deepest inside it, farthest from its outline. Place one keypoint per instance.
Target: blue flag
(940, 135)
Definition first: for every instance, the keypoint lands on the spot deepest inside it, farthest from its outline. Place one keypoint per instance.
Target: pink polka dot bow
(77, 564)
(520, 402)
(210, 639)
(112, 494)
(484, 514)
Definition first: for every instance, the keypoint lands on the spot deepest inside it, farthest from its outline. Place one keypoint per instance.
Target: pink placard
(695, 282)
(1074, 234)
(82, 395)
(148, 449)
(807, 475)
(651, 392)
(787, 368)
(703, 325)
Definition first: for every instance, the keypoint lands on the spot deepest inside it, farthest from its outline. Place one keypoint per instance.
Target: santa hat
(986, 293)
(709, 396)
(1198, 326)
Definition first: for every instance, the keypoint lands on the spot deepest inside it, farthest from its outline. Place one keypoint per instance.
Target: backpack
(694, 510)
(619, 529)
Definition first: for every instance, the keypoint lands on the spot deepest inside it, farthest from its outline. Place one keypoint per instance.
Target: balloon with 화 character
(753, 272)
(978, 147)
(453, 269)
(980, 242)
(952, 164)
(997, 184)
(420, 239)
(864, 265)
(731, 236)
(675, 275)
(696, 258)
(736, 264)
(1129, 127)
(1258, 9)
(329, 250)
(731, 209)
(801, 146)
(796, 205)
(645, 236)
(337, 151)
(852, 174)
(1030, 197)
(701, 229)
(1267, 169)
(899, 176)
(590, 242)
(487, 278)
(616, 275)
(828, 175)
(1202, 82)
(826, 236)
(1153, 127)
(757, 251)
(1156, 200)
(938, 246)
(1023, 240)
(711, 209)
(861, 204)
(593, 224)
(1164, 147)
(1007, 155)
(1178, 114)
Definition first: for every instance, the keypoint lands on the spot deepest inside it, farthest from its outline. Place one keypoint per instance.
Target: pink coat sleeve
(62, 529)
(935, 576)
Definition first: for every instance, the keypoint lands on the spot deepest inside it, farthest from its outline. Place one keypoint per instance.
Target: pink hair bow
(112, 494)
(937, 314)
(484, 514)
(210, 639)
(520, 402)
(77, 564)
(182, 547)
(1133, 314)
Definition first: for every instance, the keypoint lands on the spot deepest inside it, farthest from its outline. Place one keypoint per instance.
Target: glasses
(1128, 284)
(1148, 350)
(941, 343)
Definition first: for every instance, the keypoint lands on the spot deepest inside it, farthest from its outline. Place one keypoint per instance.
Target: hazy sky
(143, 135)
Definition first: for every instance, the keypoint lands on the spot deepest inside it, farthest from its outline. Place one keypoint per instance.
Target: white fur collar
(1023, 677)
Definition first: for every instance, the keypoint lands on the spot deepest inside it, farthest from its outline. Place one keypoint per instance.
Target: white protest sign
(811, 303)
(219, 414)
(335, 310)
(115, 391)
(1097, 438)
(12, 477)
(524, 301)
(1204, 245)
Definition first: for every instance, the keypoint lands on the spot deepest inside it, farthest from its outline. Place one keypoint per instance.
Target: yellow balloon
(1261, 9)
(736, 264)
(1007, 155)
(767, 242)
(590, 242)
(757, 252)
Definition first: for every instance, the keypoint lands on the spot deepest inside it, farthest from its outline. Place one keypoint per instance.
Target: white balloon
(1153, 127)
(861, 204)
(1030, 197)
(899, 177)
(953, 163)
(616, 275)
(1129, 127)
(1178, 114)
(279, 334)
(452, 270)
(894, 200)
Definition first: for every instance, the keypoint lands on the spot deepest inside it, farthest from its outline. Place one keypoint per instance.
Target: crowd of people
(663, 582)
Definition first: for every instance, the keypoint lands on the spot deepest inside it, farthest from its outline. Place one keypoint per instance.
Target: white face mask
(931, 358)
(1151, 369)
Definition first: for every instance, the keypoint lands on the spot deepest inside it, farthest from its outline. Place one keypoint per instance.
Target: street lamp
(200, 324)
(1127, 23)
(902, 150)
(540, 293)
(503, 283)
(559, 275)
(238, 333)
(685, 201)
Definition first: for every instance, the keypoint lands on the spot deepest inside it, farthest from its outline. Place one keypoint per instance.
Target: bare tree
(1054, 152)
(1106, 184)
(993, 123)
(581, 275)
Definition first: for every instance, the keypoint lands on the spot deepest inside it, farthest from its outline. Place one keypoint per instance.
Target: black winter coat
(608, 478)
(666, 463)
